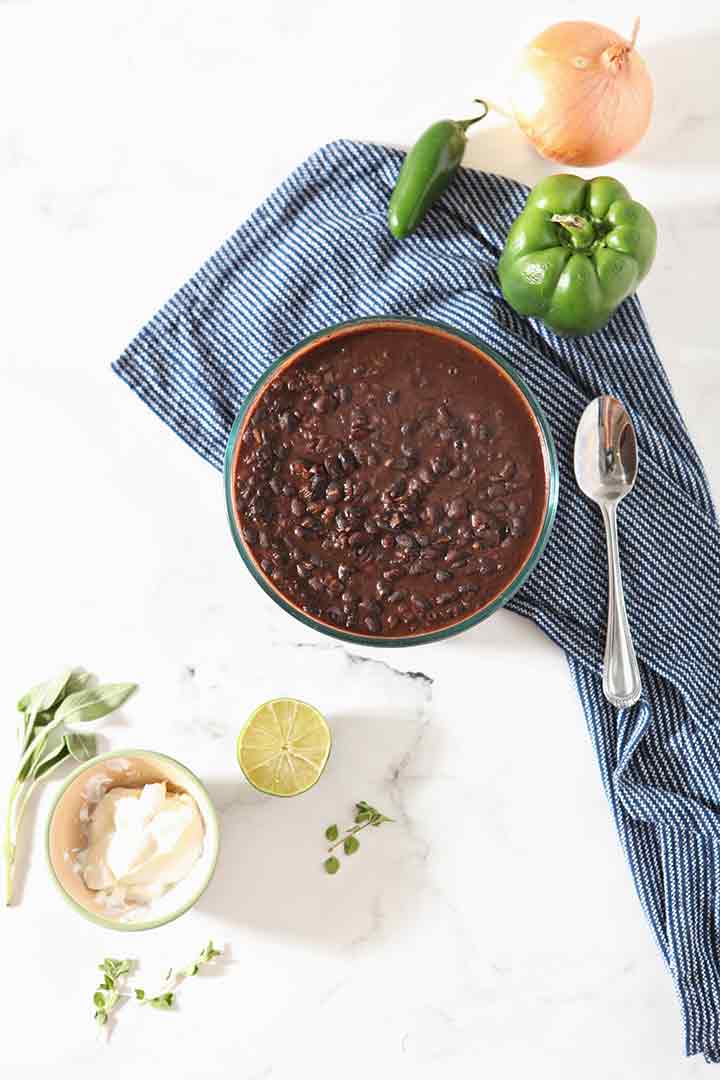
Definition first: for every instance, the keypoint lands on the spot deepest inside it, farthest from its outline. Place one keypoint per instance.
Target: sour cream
(141, 841)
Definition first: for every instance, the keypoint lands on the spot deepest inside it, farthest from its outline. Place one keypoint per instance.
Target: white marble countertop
(460, 941)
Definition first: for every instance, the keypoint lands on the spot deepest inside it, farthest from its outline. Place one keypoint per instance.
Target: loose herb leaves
(365, 815)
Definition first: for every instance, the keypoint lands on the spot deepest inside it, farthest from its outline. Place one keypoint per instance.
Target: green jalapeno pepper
(426, 172)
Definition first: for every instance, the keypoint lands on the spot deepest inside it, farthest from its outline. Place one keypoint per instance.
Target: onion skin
(582, 94)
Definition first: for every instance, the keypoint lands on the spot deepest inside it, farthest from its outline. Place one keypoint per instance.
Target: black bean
(419, 602)
(439, 465)
(347, 460)
(444, 598)
(297, 508)
(467, 587)
(345, 395)
(372, 624)
(397, 596)
(392, 396)
(443, 575)
(457, 508)
(404, 540)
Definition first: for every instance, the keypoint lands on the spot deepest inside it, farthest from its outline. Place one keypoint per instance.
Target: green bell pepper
(578, 249)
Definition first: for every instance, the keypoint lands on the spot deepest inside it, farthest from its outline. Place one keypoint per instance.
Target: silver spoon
(605, 469)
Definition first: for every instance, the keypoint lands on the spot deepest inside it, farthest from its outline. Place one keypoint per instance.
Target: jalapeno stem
(465, 124)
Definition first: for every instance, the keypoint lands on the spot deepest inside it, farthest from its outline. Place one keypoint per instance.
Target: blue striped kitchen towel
(318, 252)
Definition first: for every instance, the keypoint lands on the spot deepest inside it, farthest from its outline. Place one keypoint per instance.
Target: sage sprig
(365, 815)
(46, 741)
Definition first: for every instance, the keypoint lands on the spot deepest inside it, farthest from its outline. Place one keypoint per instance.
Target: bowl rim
(358, 638)
(148, 924)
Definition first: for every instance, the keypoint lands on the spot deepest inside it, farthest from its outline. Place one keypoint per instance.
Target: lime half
(284, 747)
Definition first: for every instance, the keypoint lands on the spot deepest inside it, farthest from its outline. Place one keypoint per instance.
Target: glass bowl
(422, 638)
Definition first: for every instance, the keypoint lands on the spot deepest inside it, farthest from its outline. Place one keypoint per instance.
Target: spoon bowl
(606, 459)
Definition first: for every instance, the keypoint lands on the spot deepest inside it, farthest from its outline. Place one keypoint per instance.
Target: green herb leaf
(331, 833)
(101, 1017)
(45, 695)
(99, 1000)
(92, 703)
(49, 761)
(77, 681)
(139, 994)
(350, 845)
(332, 865)
(161, 1001)
(209, 953)
(206, 956)
(81, 747)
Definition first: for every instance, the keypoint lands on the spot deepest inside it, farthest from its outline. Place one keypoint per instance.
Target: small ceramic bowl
(66, 835)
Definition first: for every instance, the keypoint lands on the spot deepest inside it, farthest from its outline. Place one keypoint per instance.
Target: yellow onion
(582, 94)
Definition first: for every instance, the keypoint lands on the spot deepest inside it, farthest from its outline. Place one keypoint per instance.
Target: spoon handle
(621, 674)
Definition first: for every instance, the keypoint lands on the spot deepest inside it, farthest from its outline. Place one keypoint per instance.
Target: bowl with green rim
(66, 835)
(504, 369)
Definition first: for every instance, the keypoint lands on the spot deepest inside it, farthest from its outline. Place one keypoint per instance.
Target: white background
(493, 930)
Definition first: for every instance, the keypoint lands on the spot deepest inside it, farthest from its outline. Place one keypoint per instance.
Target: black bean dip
(390, 480)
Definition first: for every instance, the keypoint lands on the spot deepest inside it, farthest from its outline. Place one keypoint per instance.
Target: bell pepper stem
(465, 124)
(580, 229)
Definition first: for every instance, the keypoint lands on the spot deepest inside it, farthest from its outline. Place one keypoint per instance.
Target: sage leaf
(92, 703)
(27, 697)
(77, 681)
(44, 696)
(332, 865)
(99, 1000)
(44, 710)
(81, 747)
(331, 833)
(50, 761)
(350, 845)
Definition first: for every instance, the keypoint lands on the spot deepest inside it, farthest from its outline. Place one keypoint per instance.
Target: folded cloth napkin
(318, 252)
